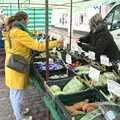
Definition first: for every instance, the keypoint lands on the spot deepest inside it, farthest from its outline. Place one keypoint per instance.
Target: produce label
(59, 55)
(110, 115)
(79, 50)
(94, 74)
(104, 60)
(118, 66)
(91, 55)
(114, 87)
(65, 43)
(54, 49)
(74, 47)
(68, 59)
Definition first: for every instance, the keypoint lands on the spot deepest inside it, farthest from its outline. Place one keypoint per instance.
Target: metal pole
(18, 5)
(70, 23)
(100, 9)
(34, 19)
(10, 9)
(46, 36)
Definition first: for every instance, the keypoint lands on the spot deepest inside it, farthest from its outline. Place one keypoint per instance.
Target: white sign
(54, 49)
(94, 74)
(65, 43)
(104, 60)
(114, 87)
(79, 50)
(110, 115)
(59, 55)
(74, 47)
(68, 59)
(91, 55)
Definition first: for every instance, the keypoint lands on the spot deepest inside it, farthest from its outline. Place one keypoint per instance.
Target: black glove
(85, 47)
(80, 44)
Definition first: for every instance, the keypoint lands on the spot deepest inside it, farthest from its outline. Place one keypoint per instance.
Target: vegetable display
(73, 86)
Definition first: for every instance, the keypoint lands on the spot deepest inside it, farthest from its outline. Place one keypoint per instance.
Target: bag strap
(9, 40)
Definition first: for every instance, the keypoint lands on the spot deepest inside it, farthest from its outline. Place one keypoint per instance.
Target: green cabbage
(73, 86)
(83, 69)
(105, 77)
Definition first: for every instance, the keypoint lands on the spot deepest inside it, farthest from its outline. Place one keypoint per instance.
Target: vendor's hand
(76, 40)
(60, 41)
(80, 44)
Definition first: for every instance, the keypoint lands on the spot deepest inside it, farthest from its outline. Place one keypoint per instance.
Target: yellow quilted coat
(22, 43)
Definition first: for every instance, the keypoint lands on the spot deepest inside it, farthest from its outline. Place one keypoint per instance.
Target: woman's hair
(10, 20)
(18, 16)
(94, 21)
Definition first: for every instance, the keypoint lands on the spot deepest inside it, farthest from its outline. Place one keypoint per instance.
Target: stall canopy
(36, 9)
(59, 3)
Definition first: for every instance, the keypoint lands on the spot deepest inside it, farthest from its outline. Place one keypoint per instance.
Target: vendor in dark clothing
(99, 40)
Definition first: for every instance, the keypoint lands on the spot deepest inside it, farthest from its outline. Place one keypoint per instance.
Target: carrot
(70, 109)
(89, 109)
(79, 105)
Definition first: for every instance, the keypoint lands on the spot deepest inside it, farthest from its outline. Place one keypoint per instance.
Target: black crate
(108, 109)
(66, 100)
(103, 88)
(61, 83)
(93, 116)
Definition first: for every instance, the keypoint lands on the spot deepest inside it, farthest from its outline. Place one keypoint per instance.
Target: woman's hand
(75, 40)
(60, 41)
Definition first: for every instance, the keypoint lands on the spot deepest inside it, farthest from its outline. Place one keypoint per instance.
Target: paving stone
(33, 100)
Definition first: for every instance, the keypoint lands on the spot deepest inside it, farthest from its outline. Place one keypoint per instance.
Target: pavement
(33, 100)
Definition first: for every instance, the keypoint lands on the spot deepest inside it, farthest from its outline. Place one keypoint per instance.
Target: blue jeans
(16, 99)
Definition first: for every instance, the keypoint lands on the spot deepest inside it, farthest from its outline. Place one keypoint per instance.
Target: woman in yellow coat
(22, 43)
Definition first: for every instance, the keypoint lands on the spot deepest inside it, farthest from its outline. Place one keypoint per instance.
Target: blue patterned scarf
(23, 27)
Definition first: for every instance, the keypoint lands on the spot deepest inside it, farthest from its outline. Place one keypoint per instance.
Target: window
(113, 18)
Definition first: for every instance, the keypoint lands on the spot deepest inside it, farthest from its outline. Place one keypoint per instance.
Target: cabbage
(55, 88)
(83, 69)
(73, 86)
(105, 77)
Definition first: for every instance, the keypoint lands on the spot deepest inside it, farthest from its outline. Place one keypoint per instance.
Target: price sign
(74, 47)
(94, 74)
(114, 87)
(104, 60)
(59, 55)
(110, 115)
(118, 66)
(54, 49)
(68, 59)
(79, 50)
(65, 43)
(91, 55)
